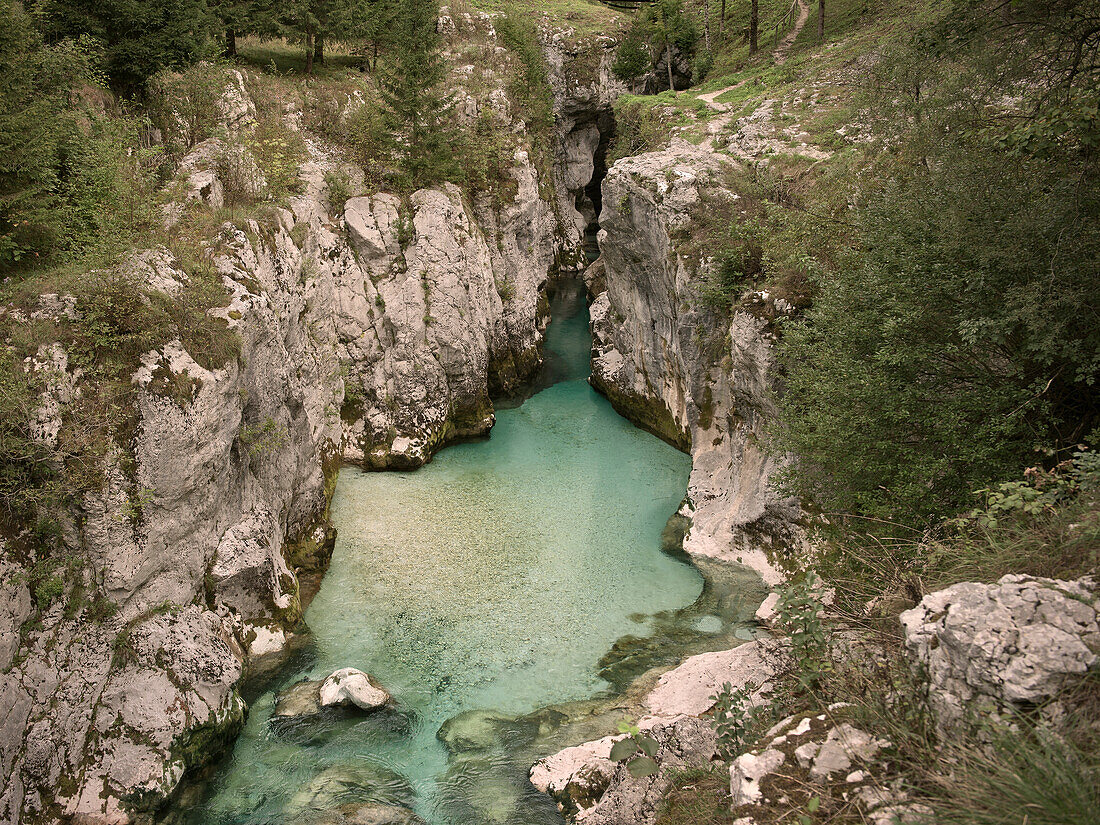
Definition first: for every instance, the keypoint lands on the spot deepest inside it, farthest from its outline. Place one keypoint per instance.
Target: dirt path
(716, 125)
(784, 47)
(780, 55)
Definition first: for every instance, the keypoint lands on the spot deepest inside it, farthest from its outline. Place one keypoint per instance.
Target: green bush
(964, 336)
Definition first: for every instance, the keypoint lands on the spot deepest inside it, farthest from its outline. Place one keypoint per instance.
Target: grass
(283, 58)
(697, 797)
(587, 17)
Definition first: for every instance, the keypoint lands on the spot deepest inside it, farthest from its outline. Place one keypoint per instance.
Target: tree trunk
(319, 49)
(668, 59)
(706, 23)
(820, 21)
(754, 27)
(230, 42)
(309, 52)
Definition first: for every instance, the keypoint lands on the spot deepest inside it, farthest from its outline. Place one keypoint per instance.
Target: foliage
(964, 335)
(263, 438)
(416, 102)
(657, 26)
(184, 104)
(637, 751)
(71, 176)
(800, 611)
(735, 718)
(338, 189)
(1029, 774)
(137, 39)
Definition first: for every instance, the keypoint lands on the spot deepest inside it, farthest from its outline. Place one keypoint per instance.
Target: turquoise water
(497, 577)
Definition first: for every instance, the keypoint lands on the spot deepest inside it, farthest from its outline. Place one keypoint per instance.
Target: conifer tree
(412, 89)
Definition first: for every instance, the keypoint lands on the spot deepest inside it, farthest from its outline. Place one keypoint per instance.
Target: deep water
(499, 577)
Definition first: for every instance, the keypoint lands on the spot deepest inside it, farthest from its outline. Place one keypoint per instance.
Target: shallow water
(500, 577)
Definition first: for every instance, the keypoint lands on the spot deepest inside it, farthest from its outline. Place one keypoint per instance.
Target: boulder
(1015, 642)
(351, 687)
(300, 699)
(358, 786)
(473, 730)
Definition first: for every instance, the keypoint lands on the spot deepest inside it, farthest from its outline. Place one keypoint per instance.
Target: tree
(412, 89)
(139, 39)
(964, 337)
(237, 18)
(754, 27)
(657, 30)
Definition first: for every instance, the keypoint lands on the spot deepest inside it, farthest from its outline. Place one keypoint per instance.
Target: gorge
(498, 410)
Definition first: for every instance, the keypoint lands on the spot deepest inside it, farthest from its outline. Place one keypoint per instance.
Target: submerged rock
(300, 699)
(366, 815)
(349, 686)
(363, 785)
(472, 730)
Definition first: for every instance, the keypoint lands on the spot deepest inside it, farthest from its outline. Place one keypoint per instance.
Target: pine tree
(139, 38)
(412, 89)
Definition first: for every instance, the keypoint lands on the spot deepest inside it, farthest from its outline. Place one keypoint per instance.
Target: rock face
(375, 335)
(187, 541)
(988, 647)
(432, 316)
(661, 365)
(584, 91)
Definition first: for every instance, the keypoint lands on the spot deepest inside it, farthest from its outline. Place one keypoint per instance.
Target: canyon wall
(700, 378)
(374, 333)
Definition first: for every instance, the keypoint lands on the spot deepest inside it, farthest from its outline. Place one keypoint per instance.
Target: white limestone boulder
(349, 686)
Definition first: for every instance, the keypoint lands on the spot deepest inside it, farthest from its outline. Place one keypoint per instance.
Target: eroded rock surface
(349, 687)
(659, 363)
(988, 647)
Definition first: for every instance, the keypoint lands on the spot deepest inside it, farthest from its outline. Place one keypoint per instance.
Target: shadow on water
(491, 592)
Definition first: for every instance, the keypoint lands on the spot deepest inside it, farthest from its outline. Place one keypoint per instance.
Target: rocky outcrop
(434, 309)
(589, 786)
(698, 379)
(584, 90)
(988, 648)
(819, 757)
(129, 679)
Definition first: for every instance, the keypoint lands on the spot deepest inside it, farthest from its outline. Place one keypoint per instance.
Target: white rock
(746, 772)
(349, 686)
(1015, 641)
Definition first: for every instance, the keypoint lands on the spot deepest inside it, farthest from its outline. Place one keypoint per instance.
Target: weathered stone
(746, 772)
(351, 687)
(300, 699)
(1003, 644)
(472, 730)
(843, 746)
(689, 688)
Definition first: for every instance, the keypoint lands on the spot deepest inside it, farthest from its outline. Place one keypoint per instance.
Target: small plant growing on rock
(800, 610)
(637, 751)
(734, 717)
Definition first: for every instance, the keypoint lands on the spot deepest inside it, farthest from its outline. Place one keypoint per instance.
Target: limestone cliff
(699, 379)
(375, 333)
